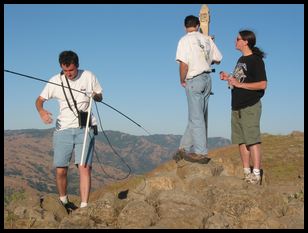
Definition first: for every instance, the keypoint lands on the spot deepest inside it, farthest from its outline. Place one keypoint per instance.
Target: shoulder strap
(75, 104)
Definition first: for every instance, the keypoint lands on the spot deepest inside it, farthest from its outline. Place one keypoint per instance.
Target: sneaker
(69, 206)
(246, 176)
(197, 158)
(253, 179)
(179, 155)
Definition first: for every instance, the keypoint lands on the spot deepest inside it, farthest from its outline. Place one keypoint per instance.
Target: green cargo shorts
(245, 125)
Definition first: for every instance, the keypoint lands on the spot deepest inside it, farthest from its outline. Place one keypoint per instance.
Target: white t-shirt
(86, 82)
(197, 51)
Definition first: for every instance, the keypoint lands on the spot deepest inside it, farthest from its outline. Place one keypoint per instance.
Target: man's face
(70, 71)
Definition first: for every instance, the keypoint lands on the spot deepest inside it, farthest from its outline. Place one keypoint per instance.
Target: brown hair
(251, 38)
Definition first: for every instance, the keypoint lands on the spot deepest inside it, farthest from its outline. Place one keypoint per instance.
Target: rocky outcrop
(179, 195)
(188, 195)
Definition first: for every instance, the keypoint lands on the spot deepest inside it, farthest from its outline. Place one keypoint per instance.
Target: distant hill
(28, 155)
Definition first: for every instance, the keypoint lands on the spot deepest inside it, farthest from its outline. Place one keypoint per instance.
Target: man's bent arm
(45, 115)
(183, 72)
(39, 103)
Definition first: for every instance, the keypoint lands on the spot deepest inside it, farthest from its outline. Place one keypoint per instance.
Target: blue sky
(131, 49)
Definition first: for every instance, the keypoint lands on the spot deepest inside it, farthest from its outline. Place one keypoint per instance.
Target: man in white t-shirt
(72, 88)
(195, 54)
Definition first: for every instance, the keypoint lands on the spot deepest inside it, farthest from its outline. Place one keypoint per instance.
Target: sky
(131, 49)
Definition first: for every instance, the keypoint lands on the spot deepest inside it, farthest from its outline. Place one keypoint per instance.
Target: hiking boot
(69, 206)
(179, 155)
(253, 179)
(197, 158)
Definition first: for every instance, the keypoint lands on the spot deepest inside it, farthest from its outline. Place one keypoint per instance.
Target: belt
(94, 127)
(204, 72)
(91, 127)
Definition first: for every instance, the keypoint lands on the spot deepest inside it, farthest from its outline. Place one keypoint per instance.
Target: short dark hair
(68, 57)
(191, 21)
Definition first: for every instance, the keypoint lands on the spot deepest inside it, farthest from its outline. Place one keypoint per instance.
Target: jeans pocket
(198, 85)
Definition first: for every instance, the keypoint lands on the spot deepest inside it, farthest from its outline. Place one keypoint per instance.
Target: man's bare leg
(85, 182)
(245, 155)
(255, 151)
(61, 180)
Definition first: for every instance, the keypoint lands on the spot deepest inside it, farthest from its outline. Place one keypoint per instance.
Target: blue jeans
(68, 140)
(198, 92)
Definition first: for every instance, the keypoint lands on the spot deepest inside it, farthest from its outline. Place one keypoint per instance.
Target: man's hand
(223, 75)
(45, 116)
(97, 97)
(183, 83)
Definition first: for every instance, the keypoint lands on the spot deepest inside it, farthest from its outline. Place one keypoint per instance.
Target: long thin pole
(86, 132)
